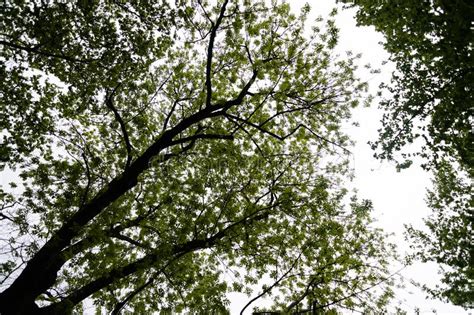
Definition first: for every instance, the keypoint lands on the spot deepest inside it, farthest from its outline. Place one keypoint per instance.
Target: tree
(453, 247)
(431, 99)
(159, 148)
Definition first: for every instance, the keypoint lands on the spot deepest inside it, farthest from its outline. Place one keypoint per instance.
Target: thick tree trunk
(10, 307)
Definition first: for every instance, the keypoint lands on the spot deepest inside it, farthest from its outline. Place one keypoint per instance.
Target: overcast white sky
(398, 197)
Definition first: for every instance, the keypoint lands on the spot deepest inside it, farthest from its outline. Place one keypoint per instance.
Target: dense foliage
(167, 155)
(431, 99)
(451, 225)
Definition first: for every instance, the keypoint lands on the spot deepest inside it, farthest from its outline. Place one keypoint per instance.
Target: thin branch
(240, 98)
(88, 175)
(128, 146)
(173, 284)
(268, 289)
(249, 55)
(6, 276)
(240, 126)
(205, 12)
(203, 36)
(202, 136)
(165, 124)
(305, 294)
(362, 290)
(129, 240)
(5, 217)
(309, 105)
(270, 92)
(284, 137)
(210, 51)
(92, 240)
(119, 306)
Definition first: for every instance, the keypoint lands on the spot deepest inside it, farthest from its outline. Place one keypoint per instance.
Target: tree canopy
(431, 100)
(167, 155)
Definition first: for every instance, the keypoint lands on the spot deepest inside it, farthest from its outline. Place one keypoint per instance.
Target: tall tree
(431, 99)
(161, 148)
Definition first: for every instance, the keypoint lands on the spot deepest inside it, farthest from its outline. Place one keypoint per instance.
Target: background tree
(431, 99)
(162, 148)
